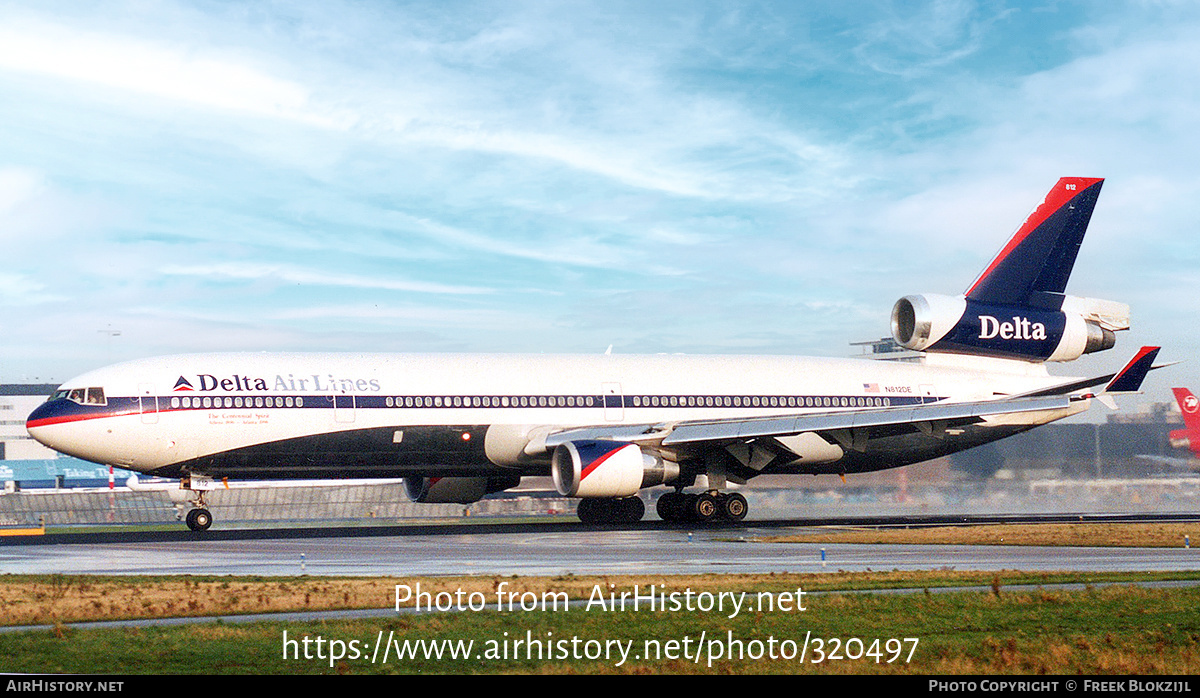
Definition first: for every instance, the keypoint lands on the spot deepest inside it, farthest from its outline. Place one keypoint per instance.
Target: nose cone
(40, 423)
(65, 426)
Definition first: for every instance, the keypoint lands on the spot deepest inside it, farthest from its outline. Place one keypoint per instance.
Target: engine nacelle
(955, 325)
(607, 469)
(455, 490)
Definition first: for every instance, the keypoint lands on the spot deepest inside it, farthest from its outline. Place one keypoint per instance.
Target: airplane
(458, 427)
(1189, 436)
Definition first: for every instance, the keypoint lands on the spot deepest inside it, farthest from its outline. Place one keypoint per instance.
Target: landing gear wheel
(670, 506)
(632, 509)
(598, 511)
(704, 508)
(734, 507)
(588, 511)
(199, 519)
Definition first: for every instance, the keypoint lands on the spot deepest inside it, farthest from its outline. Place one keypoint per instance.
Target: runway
(664, 551)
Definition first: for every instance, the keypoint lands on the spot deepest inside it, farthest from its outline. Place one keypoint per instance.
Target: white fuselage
(458, 412)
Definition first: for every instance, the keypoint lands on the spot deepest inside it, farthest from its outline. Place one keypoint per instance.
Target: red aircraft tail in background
(1188, 437)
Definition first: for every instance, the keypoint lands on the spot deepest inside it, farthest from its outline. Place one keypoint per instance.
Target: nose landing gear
(191, 493)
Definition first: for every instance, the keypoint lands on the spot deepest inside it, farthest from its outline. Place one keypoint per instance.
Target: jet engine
(455, 490)
(607, 469)
(1067, 328)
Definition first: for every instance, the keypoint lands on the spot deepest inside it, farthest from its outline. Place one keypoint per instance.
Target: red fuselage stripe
(47, 421)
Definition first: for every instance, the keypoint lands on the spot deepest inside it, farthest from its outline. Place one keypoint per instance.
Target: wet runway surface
(556, 552)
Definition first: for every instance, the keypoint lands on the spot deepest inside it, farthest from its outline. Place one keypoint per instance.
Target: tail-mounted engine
(455, 490)
(607, 469)
(957, 325)
(1017, 308)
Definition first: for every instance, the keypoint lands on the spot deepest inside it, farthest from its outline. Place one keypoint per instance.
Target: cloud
(20, 290)
(540, 176)
(419, 316)
(18, 185)
(639, 133)
(153, 68)
(251, 272)
(914, 39)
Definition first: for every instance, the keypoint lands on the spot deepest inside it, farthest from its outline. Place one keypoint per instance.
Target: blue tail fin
(1033, 268)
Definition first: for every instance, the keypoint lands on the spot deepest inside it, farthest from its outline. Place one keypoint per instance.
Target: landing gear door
(148, 403)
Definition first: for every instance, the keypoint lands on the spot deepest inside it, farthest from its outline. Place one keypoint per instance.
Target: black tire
(199, 519)
(670, 507)
(705, 508)
(734, 507)
(589, 511)
(603, 511)
(632, 509)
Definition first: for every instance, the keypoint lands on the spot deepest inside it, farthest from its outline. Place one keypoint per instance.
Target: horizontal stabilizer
(1129, 379)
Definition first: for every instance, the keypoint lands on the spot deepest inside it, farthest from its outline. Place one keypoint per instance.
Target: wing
(1190, 464)
(818, 437)
(932, 416)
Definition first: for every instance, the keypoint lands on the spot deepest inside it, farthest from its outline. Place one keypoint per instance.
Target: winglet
(1129, 379)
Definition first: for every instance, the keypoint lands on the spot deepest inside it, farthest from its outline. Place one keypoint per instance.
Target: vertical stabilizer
(1033, 268)
(1189, 407)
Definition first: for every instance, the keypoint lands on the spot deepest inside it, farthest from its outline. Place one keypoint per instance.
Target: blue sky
(558, 177)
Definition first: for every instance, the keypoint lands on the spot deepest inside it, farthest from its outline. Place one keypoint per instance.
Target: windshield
(84, 396)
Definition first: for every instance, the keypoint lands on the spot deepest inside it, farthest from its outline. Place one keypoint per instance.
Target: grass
(56, 598)
(1114, 630)
(1138, 535)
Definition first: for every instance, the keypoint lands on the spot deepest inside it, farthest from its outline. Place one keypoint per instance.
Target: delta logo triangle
(182, 384)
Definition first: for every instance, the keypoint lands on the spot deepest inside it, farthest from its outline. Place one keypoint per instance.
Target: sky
(726, 177)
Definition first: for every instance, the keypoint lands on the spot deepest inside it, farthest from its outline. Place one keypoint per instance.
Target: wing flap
(937, 415)
(736, 429)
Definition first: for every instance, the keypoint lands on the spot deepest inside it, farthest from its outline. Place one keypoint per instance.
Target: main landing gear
(675, 507)
(703, 508)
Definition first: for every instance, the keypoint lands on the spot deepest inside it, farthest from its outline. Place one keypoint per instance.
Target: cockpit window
(84, 396)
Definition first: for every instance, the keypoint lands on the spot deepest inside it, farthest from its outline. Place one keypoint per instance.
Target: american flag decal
(871, 387)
